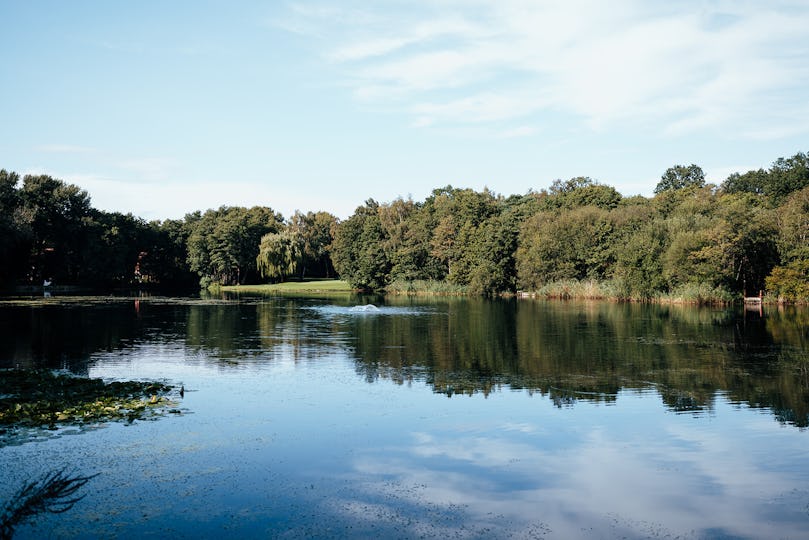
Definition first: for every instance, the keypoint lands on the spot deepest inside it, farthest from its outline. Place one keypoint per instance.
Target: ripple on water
(370, 309)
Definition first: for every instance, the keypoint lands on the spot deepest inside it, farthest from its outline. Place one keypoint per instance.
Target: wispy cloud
(736, 67)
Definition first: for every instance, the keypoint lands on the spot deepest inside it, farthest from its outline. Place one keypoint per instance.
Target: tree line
(49, 232)
(747, 234)
(691, 239)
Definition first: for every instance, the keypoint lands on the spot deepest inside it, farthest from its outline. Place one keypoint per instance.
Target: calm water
(439, 418)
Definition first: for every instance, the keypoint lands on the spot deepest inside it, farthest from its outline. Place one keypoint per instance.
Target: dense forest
(50, 232)
(692, 240)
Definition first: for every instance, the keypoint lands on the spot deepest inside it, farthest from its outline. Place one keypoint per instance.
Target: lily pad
(41, 398)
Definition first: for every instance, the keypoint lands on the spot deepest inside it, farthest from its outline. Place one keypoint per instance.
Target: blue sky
(162, 108)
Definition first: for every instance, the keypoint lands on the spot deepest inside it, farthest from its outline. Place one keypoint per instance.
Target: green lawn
(306, 286)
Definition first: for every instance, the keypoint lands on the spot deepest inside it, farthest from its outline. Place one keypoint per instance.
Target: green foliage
(58, 214)
(638, 264)
(582, 191)
(223, 244)
(457, 214)
(785, 176)
(679, 177)
(279, 254)
(15, 231)
(725, 240)
(788, 175)
(495, 245)
(689, 237)
(573, 244)
(402, 245)
(589, 289)
(359, 255)
(165, 259)
(694, 292)
(793, 227)
(791, 282)
(315, 233)
(756, 182)
(431, 287)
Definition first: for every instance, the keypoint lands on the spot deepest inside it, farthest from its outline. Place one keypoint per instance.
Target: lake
(424, 418)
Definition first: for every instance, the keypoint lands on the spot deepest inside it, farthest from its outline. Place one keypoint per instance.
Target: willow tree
(279, 255)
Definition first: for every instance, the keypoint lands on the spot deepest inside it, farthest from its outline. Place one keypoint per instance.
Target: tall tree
(359, 249)
(457, 214)
(785, 176)
(793, 227)
(788, 175)
(15, 230)
(315, 232)
(164, 260)
(59, 214)
(756, 182)
(679, 177)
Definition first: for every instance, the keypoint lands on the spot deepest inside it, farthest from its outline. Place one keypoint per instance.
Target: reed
(425, 287)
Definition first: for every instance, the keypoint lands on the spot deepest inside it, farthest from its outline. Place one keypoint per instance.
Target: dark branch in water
(54, 493)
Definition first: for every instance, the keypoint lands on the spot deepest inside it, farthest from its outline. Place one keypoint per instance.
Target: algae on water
(41, 398)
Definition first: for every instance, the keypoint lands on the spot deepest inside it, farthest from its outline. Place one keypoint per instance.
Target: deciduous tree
(679, 177)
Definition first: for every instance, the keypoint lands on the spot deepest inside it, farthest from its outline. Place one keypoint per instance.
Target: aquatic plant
(36, 398)
(55, 493)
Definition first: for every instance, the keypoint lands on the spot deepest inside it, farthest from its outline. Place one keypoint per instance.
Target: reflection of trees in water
(63, 337)
(569, 351)
(260, 330)
(591, 351)
(54, 493)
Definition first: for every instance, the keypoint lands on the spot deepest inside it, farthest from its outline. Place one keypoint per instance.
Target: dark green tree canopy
(359, 255)
(582, 191)
(679, 177)
(223, 244)
(786, 176)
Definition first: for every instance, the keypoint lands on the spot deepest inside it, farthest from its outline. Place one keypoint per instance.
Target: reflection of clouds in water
(522, 427)
(690, 482)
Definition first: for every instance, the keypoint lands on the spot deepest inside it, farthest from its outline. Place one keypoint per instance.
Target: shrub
(790, 283)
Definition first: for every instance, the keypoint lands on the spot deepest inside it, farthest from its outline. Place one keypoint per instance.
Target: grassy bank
(309, 286)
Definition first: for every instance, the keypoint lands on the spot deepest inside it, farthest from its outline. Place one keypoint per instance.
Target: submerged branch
(54, 493)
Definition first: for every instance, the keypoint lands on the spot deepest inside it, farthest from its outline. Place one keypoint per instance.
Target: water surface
(458, 418)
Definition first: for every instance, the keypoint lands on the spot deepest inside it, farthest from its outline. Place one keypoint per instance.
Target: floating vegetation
(55, 493)
(41, 398)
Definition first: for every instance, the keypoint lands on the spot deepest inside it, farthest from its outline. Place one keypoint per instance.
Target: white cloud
(173, 200)
(737, 68)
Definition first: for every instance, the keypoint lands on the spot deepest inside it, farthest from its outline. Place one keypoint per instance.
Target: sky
(163, 108)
